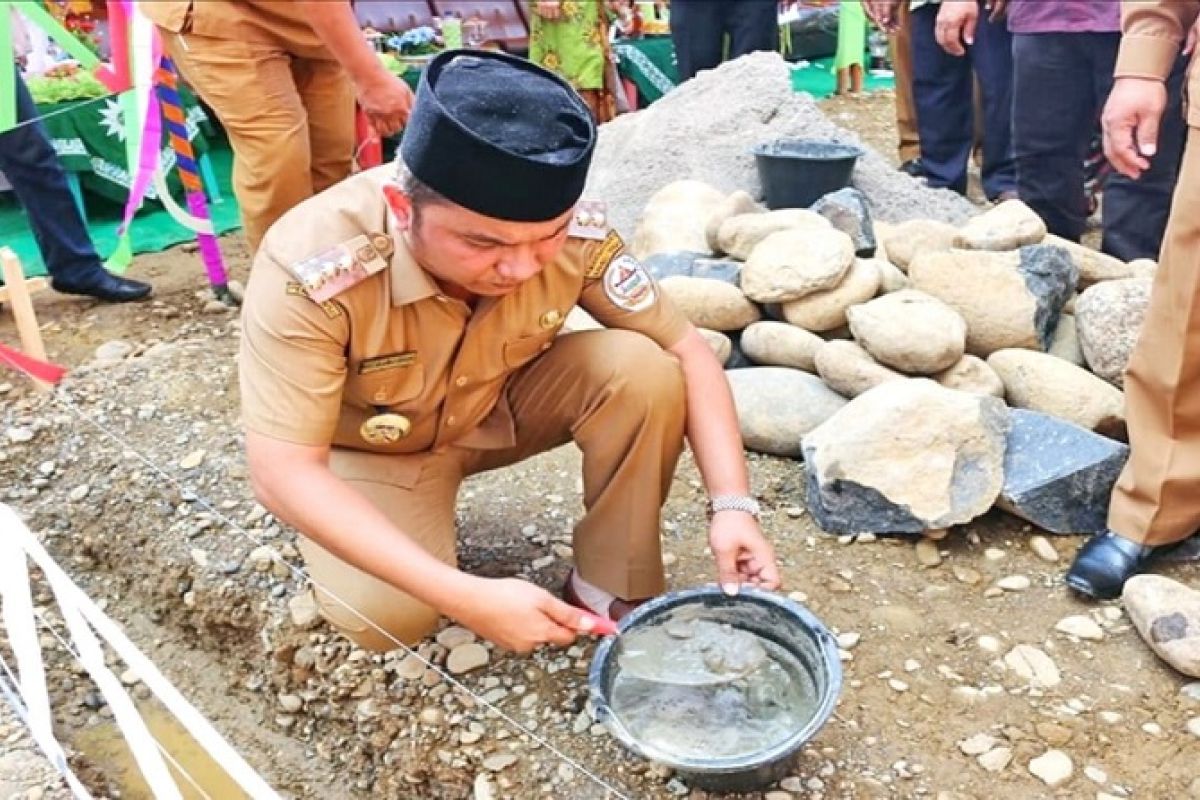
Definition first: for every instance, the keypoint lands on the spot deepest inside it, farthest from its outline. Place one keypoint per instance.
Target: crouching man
(401, 332)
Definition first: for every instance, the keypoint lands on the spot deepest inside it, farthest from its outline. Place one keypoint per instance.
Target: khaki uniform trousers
(1157, 497)
(617, 394)
(909, 146)
(290, 120)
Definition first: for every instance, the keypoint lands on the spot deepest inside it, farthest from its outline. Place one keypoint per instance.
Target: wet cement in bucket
(695, 689)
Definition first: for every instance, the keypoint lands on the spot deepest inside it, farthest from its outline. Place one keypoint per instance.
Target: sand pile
(705, 129)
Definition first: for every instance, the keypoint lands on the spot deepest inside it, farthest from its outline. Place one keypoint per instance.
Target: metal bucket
(782, 621)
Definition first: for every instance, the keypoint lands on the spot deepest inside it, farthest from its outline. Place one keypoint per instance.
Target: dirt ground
(170, 541)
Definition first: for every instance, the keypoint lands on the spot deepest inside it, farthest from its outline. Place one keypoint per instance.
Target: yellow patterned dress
(575, 46)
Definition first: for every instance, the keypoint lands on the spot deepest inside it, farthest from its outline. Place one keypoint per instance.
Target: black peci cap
(499, 135)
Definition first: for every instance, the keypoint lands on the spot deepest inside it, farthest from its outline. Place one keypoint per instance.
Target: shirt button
(461, 380)
(451, 420)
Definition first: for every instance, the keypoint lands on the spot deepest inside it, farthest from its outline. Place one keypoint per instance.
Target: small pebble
(1081, 627)
(994, 554)
(1096, 775)
(467, 657)
(1043, 549)
(1193, 726)
(996, 760)
(1014, 583)
(1053, 767)
(1153, 728)
(927, 553)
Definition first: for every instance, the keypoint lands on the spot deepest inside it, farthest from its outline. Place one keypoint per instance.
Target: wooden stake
(17, 291)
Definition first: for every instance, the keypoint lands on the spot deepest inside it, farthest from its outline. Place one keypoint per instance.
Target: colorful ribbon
(185, 161)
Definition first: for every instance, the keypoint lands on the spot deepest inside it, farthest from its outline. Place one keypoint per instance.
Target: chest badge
(384, 429)
(551, 319)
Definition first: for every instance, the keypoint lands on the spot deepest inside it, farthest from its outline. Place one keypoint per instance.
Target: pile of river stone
(923, 371)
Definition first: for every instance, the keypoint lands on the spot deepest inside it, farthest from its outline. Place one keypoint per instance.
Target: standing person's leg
(252, 90)
(37, 177)
(992, 58)
(1053, 113)
(942, 91)
(620, 398)
(328, 97)
(417, 493)
(1135, 212)
(752, 26)
(909, 146)
(1157, 498)
(698, 35)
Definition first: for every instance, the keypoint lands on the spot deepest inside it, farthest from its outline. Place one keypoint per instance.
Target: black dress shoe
(913, 167)
(103, 285)
(1105, 562)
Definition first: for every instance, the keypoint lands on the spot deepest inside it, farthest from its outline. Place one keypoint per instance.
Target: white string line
(60, 396)
(75, 654)
(68, 110)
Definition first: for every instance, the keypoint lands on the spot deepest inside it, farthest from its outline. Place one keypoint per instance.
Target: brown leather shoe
(617, 609)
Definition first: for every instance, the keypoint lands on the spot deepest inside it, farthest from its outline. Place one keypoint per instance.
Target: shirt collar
(409, 281)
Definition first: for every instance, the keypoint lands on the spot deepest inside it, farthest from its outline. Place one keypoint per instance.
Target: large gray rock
(1057, 475)
(715, 305)
(1167, 615)
(739, 235)
(777, 406)
(848, 211)
(720, 344)
(1042, 382)
(674, 219)
(672, 264)
(849, 370)
(1007, 299)
(686, 264)
(718, 269)
(778, 344)
(1109, 318)
(1093, 265)
(904, 242)
(1006, 226)
(863, 462)
(795, 263)
(909, 331)
(739, 202)
(826, 309)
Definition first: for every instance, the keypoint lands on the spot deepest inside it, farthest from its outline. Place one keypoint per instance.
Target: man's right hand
(1131, 121)
(519, 616)
(387, 101)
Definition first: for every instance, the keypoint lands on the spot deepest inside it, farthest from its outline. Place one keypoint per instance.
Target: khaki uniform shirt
(279, 23)
(1153, 33)
(312, 373)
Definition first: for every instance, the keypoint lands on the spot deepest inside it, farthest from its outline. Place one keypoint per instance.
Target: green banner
(650, 64)
(90, 139)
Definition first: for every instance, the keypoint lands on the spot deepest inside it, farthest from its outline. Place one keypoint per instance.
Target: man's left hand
(742, 553)
(955, 27)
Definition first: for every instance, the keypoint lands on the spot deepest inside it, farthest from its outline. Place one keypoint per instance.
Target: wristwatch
(733, 502)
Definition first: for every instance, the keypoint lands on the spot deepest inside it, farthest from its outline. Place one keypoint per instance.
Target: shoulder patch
(628, 285)
(590, 220)
(609, 249)
(334, 270)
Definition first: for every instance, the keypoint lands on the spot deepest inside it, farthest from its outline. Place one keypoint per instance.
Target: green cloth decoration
(90, 141)
(571, 46)
(650, 63)
(852, 34)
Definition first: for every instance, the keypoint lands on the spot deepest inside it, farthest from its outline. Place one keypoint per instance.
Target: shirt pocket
(391, 389)
(519, 352)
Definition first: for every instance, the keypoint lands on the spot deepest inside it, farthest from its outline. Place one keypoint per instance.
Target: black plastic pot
(770, 616)
(795, 173)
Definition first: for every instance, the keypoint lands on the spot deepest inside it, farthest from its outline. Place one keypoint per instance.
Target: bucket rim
(829, 658)
(848, 151)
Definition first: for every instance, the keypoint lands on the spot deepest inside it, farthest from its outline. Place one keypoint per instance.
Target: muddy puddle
(198, 776)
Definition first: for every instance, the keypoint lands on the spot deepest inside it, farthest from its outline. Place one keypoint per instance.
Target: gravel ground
(949, 655)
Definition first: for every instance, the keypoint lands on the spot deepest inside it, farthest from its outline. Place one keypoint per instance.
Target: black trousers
(1061, 83)
(698, 29)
